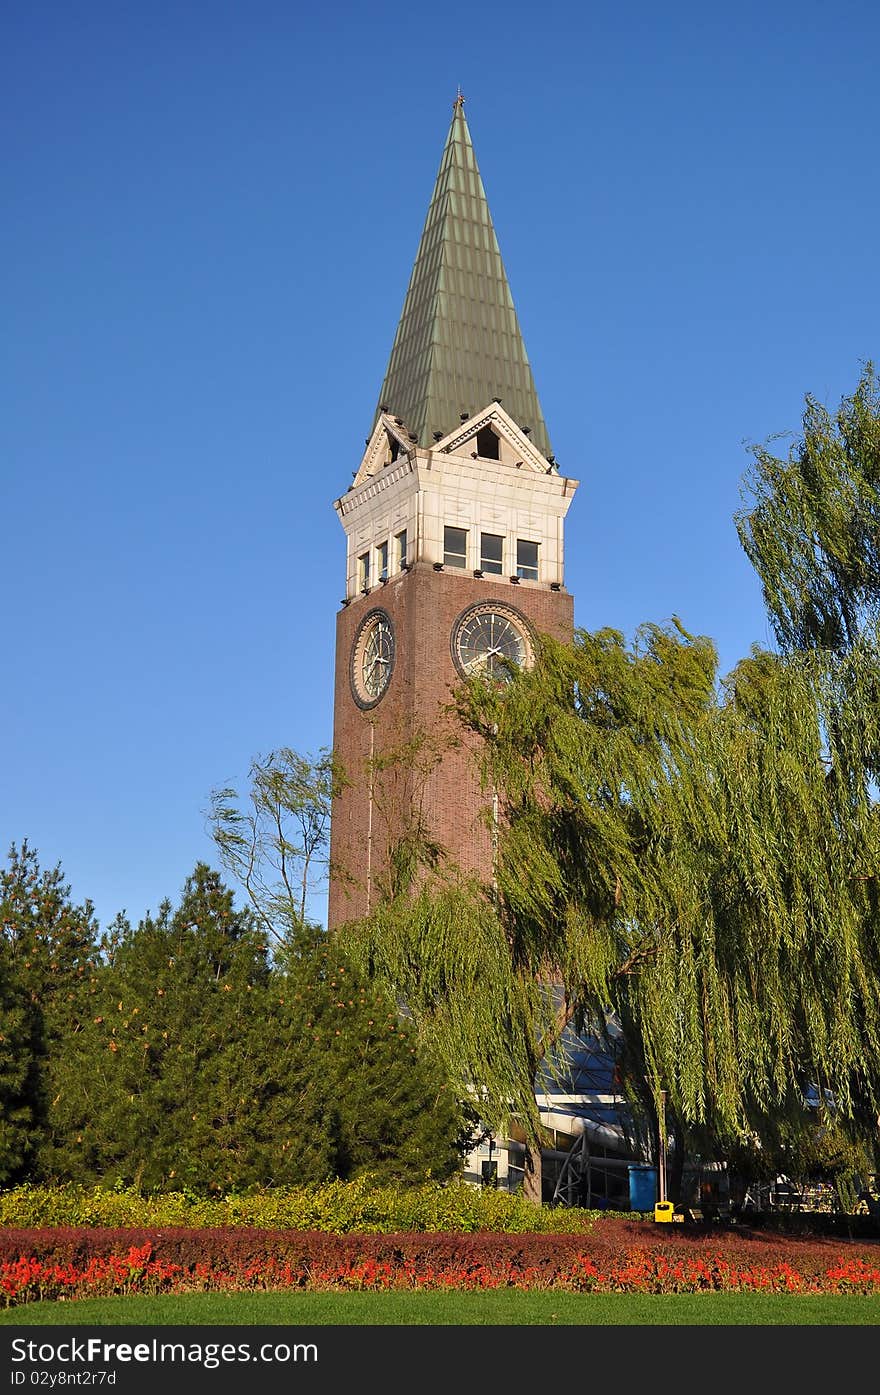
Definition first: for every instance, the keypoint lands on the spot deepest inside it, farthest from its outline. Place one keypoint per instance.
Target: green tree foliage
(275, 842)
(808, 1146)
(389, 1108)
(205, 1066)
(47, 957)
(698, 863)
(811, 525)
(186, 1077)
(17, 1072)
(811, 528)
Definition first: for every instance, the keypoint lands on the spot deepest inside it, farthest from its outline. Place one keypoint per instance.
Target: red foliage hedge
(618, 1255)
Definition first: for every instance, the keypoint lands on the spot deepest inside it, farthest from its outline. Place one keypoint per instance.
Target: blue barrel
(642, 1186)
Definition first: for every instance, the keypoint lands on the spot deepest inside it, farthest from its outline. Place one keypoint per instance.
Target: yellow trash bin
(663, 1211)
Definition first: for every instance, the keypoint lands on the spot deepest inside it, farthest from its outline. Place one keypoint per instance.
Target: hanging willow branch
(690, 861)
(810, 524)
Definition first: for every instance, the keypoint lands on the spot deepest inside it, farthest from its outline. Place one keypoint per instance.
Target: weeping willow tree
(811, 524)
(697, 859)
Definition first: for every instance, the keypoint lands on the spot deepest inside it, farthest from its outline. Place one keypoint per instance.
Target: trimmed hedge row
(359, 1207)
(618, 1256)
(337, 1207)
(220, 1245)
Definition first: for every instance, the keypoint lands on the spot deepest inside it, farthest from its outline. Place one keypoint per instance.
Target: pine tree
(47, 959)
(205, 1066)
(188, 1086)
(17, 1073)
(391, 1111)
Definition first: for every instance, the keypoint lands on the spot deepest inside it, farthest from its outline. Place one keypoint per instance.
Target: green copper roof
(458, 344)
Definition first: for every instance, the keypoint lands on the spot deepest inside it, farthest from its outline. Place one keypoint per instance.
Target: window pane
(364, 569)
(527, 560)
(401, 549)
(491, 552)
(455, 547)
(383, 561)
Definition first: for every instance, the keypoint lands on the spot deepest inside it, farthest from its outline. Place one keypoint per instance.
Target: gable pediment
(388, 443)
(474, 438)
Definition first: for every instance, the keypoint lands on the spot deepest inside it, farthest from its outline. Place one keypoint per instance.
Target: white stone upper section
(403, 487)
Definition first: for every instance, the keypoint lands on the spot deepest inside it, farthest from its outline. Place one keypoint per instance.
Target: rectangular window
(526, 560)
(492, 552)
(364, 570)
(455, 547)
(401, 548)
(382, 551)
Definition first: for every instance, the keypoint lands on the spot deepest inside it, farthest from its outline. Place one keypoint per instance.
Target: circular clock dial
(489, 640)
(372, 658)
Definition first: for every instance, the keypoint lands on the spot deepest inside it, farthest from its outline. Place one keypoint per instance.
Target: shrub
(617, 1256)
(339, 1207)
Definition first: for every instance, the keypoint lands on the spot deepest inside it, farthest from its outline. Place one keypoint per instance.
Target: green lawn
(508, 1307)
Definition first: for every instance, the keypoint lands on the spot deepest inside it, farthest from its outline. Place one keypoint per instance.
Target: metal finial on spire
(458, 104)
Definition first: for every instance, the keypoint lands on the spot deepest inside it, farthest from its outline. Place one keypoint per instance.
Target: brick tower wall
(423, 606)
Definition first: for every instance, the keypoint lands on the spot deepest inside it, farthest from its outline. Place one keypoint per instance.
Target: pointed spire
(458, 345)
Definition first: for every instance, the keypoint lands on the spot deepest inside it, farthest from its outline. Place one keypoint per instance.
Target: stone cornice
(374, 485)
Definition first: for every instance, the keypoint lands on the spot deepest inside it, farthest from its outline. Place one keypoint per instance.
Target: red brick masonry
(423, 605)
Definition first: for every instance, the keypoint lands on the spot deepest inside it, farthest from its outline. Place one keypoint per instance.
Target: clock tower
(454, 531)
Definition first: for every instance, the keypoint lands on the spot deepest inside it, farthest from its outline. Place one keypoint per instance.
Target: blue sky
(211, 213)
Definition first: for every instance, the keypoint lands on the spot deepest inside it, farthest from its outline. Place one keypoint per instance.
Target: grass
(492, 1308)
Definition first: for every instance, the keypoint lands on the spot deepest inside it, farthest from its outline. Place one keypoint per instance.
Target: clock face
(490, 640)
(372, 658)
